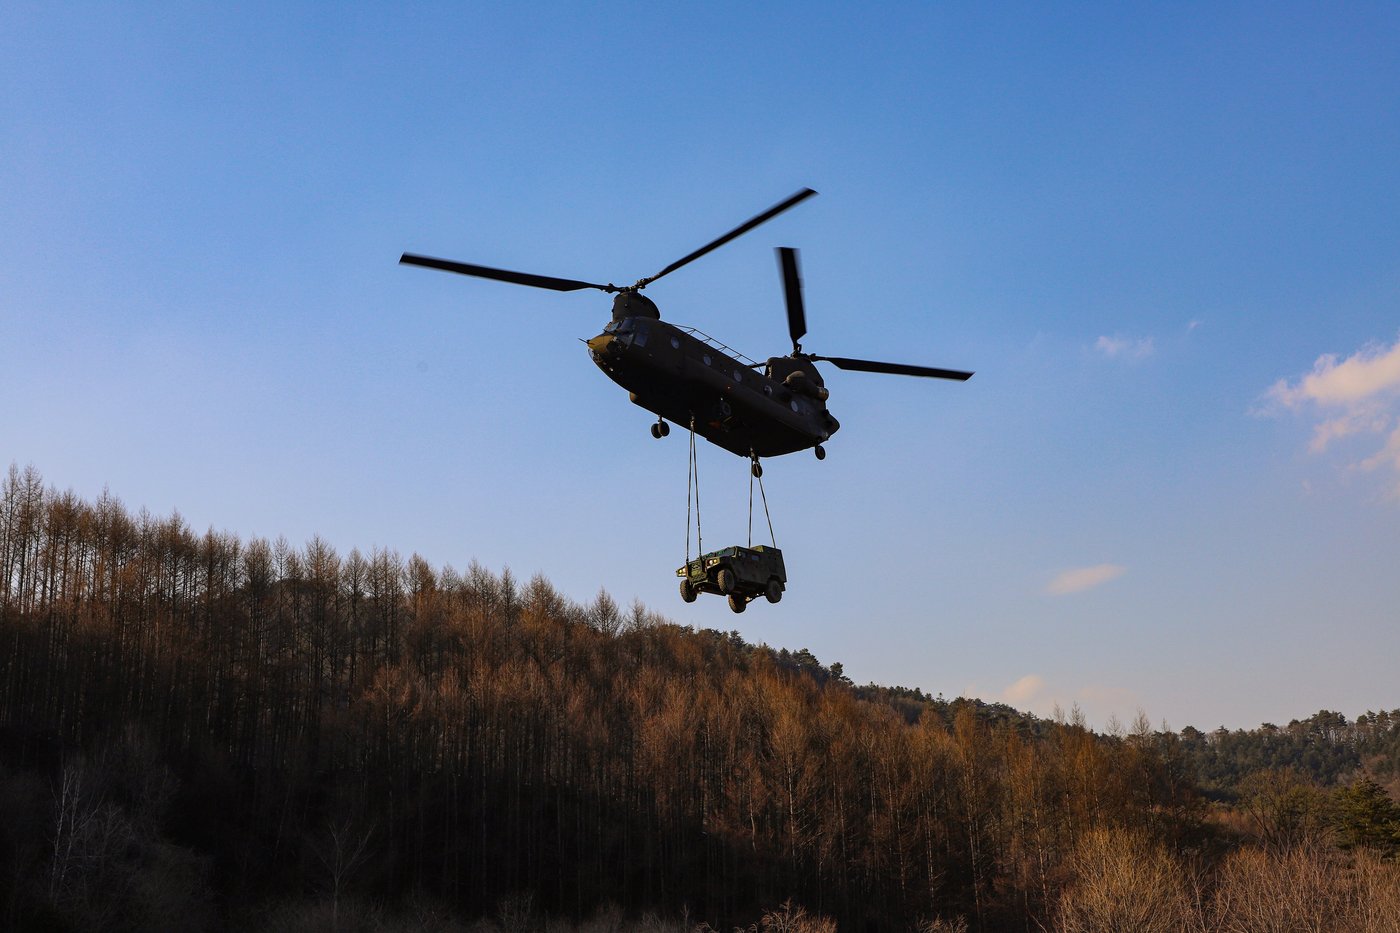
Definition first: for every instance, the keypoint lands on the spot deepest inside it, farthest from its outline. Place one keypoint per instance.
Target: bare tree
(342, 850)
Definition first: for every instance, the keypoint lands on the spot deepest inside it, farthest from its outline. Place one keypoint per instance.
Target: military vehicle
(740, 573)
(688, 378)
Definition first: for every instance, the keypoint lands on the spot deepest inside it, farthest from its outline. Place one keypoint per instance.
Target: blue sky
(1164, 236)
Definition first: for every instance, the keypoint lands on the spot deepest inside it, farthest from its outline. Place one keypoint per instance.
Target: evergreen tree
(1367, 817)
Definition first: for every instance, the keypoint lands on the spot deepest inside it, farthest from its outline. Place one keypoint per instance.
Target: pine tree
(1367, 817)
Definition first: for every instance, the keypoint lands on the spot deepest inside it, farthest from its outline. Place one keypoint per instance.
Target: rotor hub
(629, 302)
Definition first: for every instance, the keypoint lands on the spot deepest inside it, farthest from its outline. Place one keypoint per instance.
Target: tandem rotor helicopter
(687, 377)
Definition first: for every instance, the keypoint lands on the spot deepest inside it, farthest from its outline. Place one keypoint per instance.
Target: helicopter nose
(604, 345)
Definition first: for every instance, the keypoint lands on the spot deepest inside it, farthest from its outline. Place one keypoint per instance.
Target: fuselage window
(738, 375)
(707, 359)
(675, 342)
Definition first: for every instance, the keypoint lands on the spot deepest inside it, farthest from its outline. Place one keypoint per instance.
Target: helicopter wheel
(660, 430)
(757, 468)
(737, 602)
(820, 451)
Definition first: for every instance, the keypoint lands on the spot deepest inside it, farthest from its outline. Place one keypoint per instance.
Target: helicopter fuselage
(685, 377)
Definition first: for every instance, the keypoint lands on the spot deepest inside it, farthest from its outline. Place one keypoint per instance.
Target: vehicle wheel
(687, 591)
(820, 452)
(774, 590)
(737, 602)
(725, 581)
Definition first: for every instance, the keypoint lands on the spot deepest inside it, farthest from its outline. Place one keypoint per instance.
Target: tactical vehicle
(740, 573)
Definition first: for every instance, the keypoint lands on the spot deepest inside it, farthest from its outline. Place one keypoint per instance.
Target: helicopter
(687, 378)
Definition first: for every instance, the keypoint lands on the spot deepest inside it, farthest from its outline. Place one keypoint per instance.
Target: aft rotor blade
(740, 230)
(897, 369)
(792, 291)
(502, 275)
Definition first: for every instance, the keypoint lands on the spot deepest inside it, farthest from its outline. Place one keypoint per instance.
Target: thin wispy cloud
(1084, 578)
(1134, 348)
(1356, 396)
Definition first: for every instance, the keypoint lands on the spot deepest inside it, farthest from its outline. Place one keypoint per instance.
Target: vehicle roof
(735, 549)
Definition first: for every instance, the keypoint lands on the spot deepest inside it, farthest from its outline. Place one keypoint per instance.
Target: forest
(203, 733)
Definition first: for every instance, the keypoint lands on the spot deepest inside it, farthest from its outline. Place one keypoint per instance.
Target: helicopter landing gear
(820, 451)
(755, 467)
(660, 430)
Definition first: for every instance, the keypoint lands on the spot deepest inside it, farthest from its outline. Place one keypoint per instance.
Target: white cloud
(1358, 396)
(1084, 578)
(1125, 347)
(1366, 419)
(1371, 373)
(1387, 456)
(1024, 690)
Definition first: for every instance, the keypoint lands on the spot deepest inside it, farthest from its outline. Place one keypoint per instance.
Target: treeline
(1325, 748)
(197, 731)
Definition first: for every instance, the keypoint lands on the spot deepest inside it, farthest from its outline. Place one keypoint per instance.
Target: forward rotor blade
(897, 369)
(740, 230)
(792, 291)
(502, 275)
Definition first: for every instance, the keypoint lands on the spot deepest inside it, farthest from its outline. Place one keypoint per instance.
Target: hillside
(199, 727)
